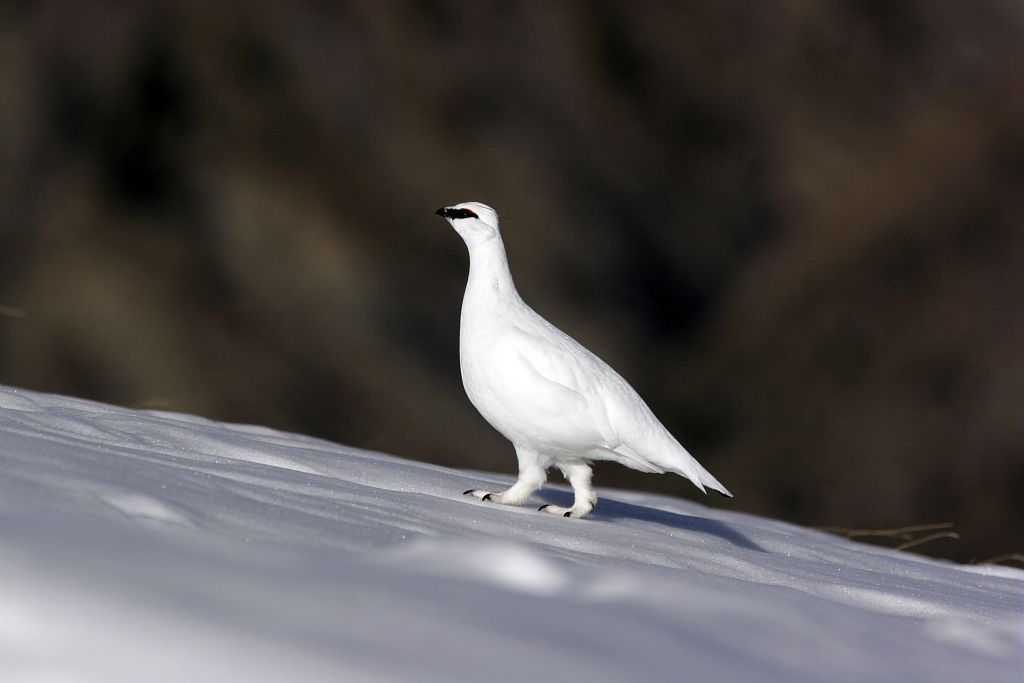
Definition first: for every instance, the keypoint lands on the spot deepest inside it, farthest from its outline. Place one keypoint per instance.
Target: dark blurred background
(797, 228)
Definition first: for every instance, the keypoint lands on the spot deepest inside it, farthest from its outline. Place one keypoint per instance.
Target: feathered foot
(578, 474)
(531, 477)
(576, 511)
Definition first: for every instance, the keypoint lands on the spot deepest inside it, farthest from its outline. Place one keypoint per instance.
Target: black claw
(568, 514)
(487, 496)
(542, 508)
(467, 492)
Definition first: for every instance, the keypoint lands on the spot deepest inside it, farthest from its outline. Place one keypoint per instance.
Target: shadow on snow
(609, 509)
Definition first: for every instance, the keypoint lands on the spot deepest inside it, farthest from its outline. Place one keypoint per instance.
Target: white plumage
(558, 403)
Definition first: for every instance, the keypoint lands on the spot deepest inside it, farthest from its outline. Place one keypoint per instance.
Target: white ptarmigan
(558, 403)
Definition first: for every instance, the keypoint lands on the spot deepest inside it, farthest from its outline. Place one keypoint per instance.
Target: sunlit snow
(141, 546)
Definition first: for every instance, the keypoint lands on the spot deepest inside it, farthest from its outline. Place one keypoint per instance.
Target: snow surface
(143, 546)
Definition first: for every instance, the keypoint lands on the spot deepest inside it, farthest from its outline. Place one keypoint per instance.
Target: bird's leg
(531, 478)
(578, 474)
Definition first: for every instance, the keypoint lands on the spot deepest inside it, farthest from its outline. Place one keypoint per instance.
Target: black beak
(449, 212)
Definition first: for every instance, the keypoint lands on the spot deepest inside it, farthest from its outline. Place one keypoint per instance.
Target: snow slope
(142, 546)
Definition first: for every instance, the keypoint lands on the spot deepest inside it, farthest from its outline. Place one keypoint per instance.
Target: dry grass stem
(907, 536)
(927, 539)
(1001, 559)
(13, 311)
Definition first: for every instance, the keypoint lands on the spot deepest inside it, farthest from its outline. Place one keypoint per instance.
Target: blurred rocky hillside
(797, 228)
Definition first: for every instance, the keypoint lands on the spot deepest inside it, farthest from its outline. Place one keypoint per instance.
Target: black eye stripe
(456, 213)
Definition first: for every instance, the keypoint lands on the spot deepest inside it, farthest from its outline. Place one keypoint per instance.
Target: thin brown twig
(908, 535)
(1008, 557)
(13, 311)
(905, 532)
(930, 537)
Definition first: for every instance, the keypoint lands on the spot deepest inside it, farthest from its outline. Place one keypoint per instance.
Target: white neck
(489, 276)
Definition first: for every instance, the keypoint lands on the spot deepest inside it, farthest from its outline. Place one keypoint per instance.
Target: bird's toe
(574, 512)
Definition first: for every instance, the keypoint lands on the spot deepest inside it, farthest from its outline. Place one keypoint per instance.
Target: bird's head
(474, 221)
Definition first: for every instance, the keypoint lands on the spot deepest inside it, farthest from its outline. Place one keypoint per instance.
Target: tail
(680, 461)
(671, 457)
(701, 477)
